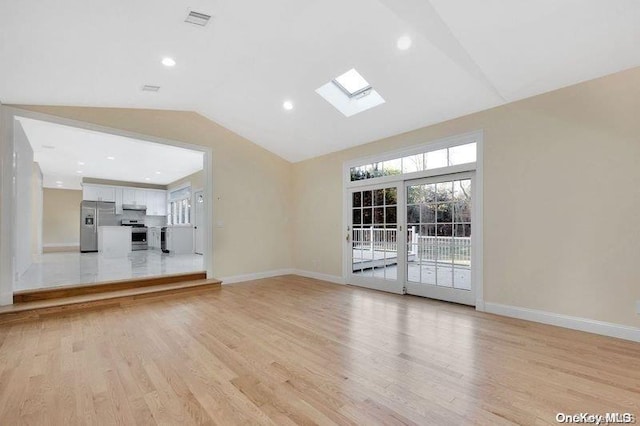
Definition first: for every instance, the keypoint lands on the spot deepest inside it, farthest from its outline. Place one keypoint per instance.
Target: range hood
(136, 207)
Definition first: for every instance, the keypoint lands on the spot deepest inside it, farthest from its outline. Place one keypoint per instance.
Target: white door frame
(392, 286)
(477, 244)
(8, 192)
(448, 294)
(195, 219)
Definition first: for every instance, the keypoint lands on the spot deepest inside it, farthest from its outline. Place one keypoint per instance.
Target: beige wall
(252, 193)
(560, 196)
(561, 185)
(196, 180)
(61, 218)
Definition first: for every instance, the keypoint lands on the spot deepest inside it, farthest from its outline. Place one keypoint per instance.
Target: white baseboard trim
(256, 276)
(319, 276)
(6, 298)
(575, 323)
(279, 272)
(60, 247)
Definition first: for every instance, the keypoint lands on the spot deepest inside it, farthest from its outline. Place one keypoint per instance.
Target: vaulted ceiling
(466, 56)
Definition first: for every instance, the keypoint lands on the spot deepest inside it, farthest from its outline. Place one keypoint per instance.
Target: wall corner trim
(575, 323)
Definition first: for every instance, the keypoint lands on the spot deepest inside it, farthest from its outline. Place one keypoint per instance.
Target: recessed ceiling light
(59, 186)
(287, 105)
(111, 158)
(59, 182)
(168, 62)
(150, 88)
(158, 173)
(147, 178)
(79, 171)
(404, 43)
(80, 163)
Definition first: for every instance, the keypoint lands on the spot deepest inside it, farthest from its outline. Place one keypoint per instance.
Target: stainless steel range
(138, 233)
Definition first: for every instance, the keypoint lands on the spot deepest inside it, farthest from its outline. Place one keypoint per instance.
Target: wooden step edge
(118, 298)
(25, 296)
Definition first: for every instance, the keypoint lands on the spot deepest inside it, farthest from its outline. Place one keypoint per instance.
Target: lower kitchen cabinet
(153, 238)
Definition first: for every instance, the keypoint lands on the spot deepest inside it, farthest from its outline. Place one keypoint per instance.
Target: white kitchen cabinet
(98, 193)
(141, 197)
(180, 239)
(154, 199)
(153, 238)
(128, 196)
(156, 202)
(118, 190)
(135, 196)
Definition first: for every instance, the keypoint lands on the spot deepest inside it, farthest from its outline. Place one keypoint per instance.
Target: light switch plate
(220, 224)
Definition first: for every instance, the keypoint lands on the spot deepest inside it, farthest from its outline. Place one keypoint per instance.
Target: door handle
(348, 236)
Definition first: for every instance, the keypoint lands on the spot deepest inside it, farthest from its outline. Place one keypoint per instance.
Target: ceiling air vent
(149, 88)
(197, 18)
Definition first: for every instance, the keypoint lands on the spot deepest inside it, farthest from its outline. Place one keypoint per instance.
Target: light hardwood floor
(292, 350)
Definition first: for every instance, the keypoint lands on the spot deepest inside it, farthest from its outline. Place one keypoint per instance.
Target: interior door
(439, 238)
(375, 240)
(199, 222)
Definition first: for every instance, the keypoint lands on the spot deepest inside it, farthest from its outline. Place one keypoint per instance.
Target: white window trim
(178, 188)
(448, 142)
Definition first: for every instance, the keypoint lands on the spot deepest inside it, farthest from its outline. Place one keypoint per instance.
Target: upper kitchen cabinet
(98, 193)
(156, 203)
(134, 196)
(154, 199)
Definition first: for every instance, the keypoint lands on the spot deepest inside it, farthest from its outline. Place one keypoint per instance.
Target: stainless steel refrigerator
(92, 215)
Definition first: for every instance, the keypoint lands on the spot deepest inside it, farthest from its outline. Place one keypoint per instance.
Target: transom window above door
(435, 159)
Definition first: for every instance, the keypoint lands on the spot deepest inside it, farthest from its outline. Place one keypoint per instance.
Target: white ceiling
(467, 55)
(59, 150)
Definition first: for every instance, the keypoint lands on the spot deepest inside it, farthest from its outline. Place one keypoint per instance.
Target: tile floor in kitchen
(61, 269)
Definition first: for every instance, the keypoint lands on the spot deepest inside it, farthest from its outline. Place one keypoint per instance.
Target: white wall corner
(319, 276)
(575, 323)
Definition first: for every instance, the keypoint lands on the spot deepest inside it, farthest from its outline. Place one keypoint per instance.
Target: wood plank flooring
(292, 350)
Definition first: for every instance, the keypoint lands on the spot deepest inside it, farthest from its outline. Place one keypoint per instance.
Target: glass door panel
(438, 214)
(376, 244)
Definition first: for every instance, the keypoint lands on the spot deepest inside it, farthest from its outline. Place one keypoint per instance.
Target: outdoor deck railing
(424, 247)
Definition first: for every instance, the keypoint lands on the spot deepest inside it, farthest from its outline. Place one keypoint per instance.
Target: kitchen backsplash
(139, 215)
(156, 221)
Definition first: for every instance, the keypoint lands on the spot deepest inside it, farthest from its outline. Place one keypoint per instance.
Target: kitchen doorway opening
(90, 204)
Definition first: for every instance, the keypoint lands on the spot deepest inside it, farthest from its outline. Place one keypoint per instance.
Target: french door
(414, 237)
(375, 238)
(439, 238)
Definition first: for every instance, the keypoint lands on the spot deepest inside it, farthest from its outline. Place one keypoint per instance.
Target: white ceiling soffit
(63, 151)
(466, 56)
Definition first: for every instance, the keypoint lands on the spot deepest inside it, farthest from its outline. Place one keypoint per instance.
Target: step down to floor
(103, 287)
(40, 308)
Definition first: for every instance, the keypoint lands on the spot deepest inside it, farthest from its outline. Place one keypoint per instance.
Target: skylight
(352, 83)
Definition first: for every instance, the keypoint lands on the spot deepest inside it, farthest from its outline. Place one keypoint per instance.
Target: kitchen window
(179, 206)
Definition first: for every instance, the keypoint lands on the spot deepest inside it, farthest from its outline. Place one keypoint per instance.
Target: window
(350, 93)
(453, 156)
(352, 83)
(179, 206)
